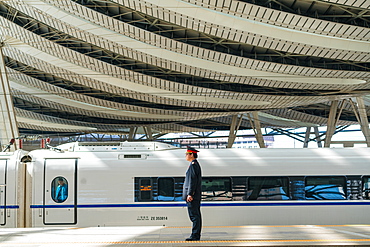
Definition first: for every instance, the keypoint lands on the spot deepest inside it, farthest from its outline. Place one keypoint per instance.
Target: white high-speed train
(140, 183)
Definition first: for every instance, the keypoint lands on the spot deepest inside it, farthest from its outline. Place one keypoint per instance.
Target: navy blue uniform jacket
(193, 181)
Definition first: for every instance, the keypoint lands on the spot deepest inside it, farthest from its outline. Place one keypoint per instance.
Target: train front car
(140, 183)
(11, 194)
(90, 184)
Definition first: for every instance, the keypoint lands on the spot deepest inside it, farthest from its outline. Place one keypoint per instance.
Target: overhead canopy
(82, 66)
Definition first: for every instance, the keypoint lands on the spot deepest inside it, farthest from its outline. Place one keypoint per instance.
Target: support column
(317, 137)
(256, 126)
(334, 115)
(234, 127)
(8, 123)
(363, 120)
(307, 138)
(132, 133)
(148, 133)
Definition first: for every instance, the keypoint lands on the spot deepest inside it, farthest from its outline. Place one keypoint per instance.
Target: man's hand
(189, 198)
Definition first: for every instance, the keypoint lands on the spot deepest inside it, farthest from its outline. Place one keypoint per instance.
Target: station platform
(298, 235)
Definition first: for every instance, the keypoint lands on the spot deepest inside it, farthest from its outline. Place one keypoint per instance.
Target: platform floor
(299, 235)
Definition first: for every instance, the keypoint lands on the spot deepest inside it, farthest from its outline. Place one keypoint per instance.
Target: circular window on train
(59, 189)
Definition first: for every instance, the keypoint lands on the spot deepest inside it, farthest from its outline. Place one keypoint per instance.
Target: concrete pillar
(363, 120)
(334, 115)
(234, 127)
(132, 133)
(307, 137)
(317, 136)
(148, 133)
(256, 126)
(8, 123)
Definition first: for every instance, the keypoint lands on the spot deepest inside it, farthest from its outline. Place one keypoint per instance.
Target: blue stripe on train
(9, 206)
(205, 204)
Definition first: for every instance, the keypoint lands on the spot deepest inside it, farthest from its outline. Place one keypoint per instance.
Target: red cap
(191, 150)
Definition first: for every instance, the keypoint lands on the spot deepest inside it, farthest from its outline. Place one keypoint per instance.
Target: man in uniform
(191, 192)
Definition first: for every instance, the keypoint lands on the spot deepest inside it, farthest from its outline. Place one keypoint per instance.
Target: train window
(297, 188)
(216, 189)
(145, 188)
(166, 189)
(325, 188)
(354, 187)
(268, 188)
(239, 188)
(59, 189)
(366, 187)
(179, 183)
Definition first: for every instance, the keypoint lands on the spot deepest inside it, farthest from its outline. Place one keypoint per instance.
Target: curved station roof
(82, 66)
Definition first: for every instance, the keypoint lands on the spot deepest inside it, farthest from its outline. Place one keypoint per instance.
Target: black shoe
(192, 239)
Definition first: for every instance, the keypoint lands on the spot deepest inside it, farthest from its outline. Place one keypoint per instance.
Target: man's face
(60, 182)
(189, 157)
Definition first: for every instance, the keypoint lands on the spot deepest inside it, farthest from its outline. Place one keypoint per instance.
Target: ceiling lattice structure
(84, 66)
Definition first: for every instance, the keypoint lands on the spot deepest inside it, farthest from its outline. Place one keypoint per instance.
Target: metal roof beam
(9, 129)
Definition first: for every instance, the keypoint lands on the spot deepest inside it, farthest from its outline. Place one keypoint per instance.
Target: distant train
(140, 183)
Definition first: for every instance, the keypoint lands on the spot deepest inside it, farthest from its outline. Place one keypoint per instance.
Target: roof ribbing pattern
(175, 65)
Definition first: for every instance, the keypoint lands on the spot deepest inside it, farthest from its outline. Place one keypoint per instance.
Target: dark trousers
(195, 217)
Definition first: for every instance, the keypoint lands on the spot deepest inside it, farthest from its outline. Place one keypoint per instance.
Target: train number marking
(142, 217)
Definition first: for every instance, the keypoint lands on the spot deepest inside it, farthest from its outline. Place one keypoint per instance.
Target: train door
(2, 191)
(60, 202)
